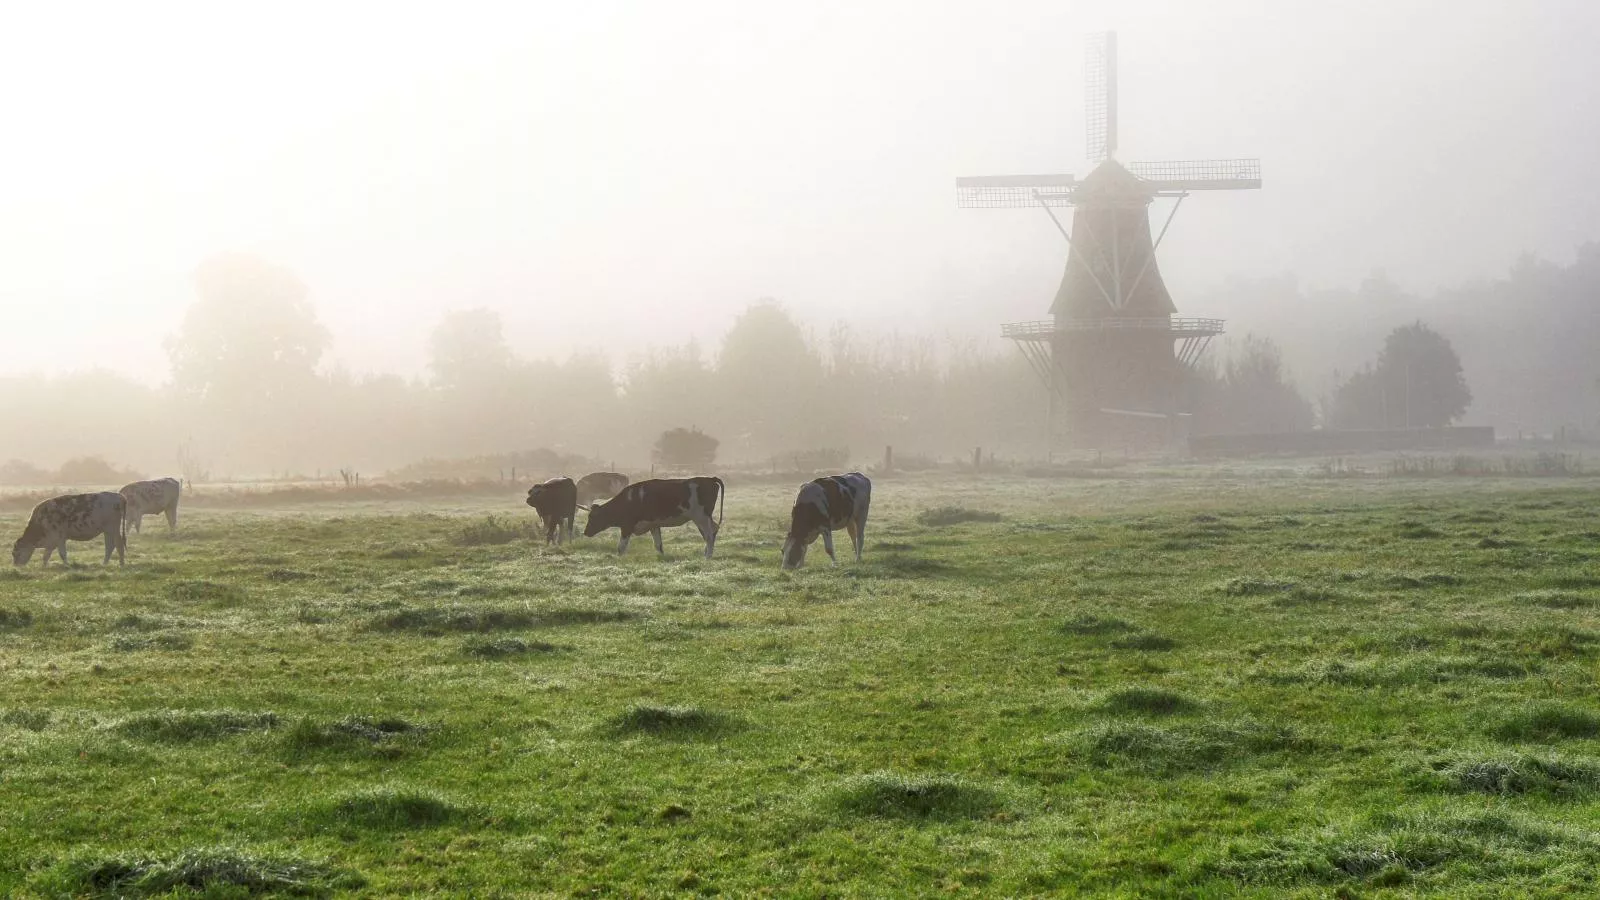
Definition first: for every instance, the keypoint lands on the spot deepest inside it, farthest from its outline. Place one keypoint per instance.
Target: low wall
(1312, 443)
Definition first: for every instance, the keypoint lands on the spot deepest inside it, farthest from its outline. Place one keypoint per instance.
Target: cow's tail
(722, 498)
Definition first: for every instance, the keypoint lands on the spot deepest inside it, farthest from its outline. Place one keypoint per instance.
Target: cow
(597, 486)
(148, 498)
(556, 502)
(833, 501)
(75, 517)
(658, 503)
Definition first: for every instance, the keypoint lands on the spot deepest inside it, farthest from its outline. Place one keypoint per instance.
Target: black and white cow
(149, 498)
(658, 503)
(833, 501)
(74, 517)
(556, 502)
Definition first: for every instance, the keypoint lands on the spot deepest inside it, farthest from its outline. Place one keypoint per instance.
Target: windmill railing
(1177, 326)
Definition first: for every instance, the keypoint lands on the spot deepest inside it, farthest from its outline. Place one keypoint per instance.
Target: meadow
(1188, 683)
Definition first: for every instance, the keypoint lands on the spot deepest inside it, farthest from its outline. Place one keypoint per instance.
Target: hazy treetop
(607, 175)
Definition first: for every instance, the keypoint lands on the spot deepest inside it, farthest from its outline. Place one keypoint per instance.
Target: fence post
(977, 458)
(888, 459)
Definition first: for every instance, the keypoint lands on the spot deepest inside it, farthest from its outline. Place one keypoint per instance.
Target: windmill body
(1115, 353)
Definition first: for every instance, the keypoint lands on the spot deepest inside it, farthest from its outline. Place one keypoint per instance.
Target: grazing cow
(833, 501)
(597, 486)
(148, 498)
(556, 502)
(75, 517)
(658, 503)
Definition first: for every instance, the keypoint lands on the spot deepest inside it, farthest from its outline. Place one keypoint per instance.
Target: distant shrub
(687, 449)
(830, 459)
(93, 470)
(954, 515)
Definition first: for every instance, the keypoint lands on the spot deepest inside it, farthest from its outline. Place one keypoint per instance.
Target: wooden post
(977, 458)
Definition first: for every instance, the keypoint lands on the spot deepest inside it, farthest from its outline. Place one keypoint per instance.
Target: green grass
(1196, 684)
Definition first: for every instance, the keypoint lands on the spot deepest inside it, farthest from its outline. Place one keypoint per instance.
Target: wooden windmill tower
(1114, 354)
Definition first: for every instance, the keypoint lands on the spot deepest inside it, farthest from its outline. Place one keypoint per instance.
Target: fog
(611, 178)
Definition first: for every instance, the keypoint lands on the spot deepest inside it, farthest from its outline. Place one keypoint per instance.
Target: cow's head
(806, 521)
(22, 551)
(535, 495)
(601, 517)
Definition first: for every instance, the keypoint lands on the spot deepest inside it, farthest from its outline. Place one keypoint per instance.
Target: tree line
(249, 396)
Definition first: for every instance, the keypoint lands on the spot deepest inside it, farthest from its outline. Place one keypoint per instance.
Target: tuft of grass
(499, 648)
(1144, 640)
(442, 619)
(1520, 774)
(670, 721)
(1556, 599)
(204, 591)
(26, 719)
(1547, 722)
(1084, 623)
(1404, 581)
(891, 795)
(182, 726)
(14, 619)
(1147, 701)
(1393, 848)
(210, 871)
(1180, 748)
(1255, 587)
(391, 808)
(493, 532)
(940, 516)
(350, 734)
(161, 640)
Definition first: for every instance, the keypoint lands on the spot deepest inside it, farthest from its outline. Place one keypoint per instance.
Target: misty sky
(612, 175)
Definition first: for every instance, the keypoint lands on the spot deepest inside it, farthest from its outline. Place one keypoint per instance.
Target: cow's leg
(708, 530)
(172, 517)
(138, 518)
(48, 549)
(569, 526)
(622, 545)
(61, 551)
(655, 535)
(861, 533)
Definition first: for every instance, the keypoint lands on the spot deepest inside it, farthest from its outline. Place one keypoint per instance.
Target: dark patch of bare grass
(161, 640)
(1145, 640)
(1181, 748)
(1087, 624)
(493, 531)
(383, 736)
(1550, 598)
(1256, 587)
(35, 720)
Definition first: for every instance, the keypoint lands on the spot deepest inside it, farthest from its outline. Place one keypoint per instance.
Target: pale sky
(612, 175)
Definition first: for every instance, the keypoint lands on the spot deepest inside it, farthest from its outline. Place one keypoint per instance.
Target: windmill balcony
(1177, 326)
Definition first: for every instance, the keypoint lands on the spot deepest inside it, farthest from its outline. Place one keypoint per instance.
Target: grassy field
(1186, 685)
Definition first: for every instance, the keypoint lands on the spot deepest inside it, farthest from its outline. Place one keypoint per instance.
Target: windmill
(1114, 353)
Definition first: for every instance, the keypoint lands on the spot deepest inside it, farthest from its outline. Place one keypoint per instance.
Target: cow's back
(77, 517)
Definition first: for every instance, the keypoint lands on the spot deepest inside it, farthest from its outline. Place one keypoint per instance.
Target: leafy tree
(685, 448)
(468, 349)
(1252, 394)
(1417, 383)
(769, 378)
(251, 336)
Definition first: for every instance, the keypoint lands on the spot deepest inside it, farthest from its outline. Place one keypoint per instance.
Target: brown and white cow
(658, 503)
(597, 486)
(75, 517)
(556, 502)
(833, 501)
(149, 498)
